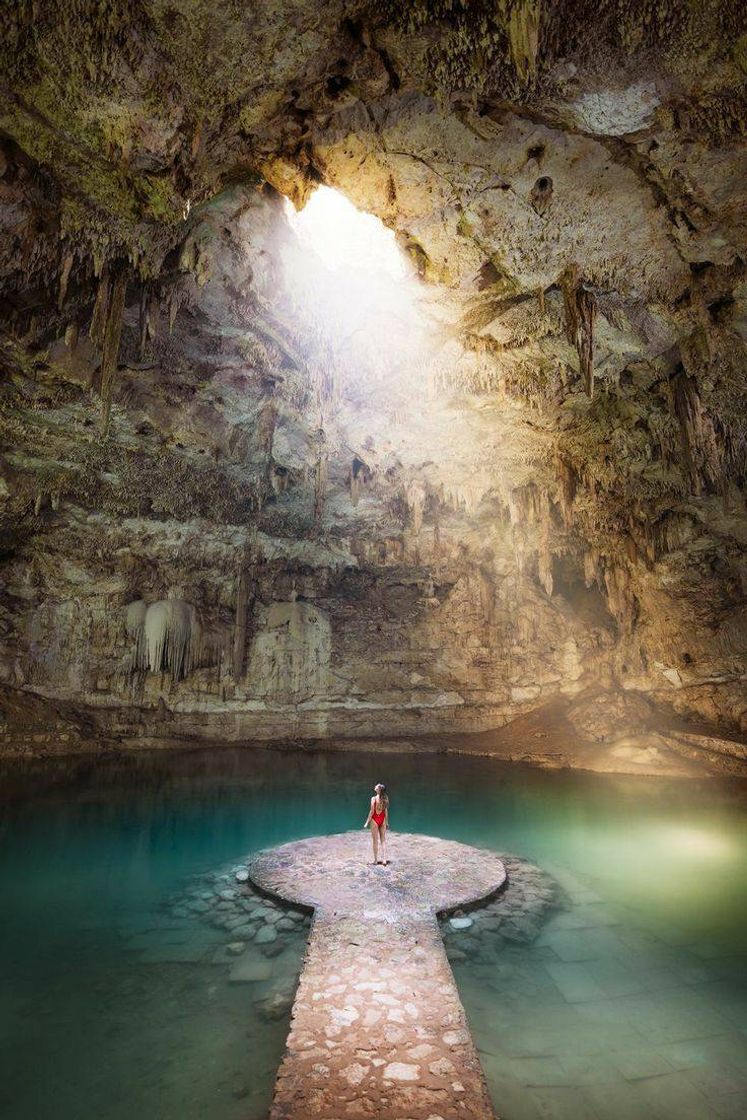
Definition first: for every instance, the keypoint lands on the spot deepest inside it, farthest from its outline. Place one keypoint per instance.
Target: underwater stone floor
(575, 1013)
(596, 1020)
(377, 1024)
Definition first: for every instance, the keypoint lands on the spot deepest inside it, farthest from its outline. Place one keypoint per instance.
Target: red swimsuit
(378, 818)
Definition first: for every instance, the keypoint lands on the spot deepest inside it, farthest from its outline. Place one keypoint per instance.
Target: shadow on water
(91, 849)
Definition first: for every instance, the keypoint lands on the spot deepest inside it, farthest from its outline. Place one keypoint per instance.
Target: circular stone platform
(377, 1024)
(425, 875)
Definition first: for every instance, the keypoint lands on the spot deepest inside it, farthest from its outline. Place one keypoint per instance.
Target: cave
(373, 387)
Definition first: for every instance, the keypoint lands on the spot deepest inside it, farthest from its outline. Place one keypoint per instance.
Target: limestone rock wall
(517, 477)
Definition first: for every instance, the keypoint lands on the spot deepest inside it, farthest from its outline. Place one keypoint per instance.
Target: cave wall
(534, 490)
(367, 621)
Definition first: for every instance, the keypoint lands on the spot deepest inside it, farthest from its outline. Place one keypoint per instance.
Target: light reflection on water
(90, 850)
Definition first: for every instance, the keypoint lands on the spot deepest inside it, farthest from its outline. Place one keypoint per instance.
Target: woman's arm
(370, 811)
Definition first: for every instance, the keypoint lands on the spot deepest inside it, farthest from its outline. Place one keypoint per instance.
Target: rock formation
(246, 494)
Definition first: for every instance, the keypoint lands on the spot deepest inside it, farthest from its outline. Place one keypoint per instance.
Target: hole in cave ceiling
(345, 237)
(351, 282)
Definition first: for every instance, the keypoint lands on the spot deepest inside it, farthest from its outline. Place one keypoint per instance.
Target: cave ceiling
(514, 472)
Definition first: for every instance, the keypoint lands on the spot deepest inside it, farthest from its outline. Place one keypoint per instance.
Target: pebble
(275, 1007)
(461, 923)
(266, 934)
(236, 920)
(261, 911)
(244, 930)
(273, 949)
(402, 1071)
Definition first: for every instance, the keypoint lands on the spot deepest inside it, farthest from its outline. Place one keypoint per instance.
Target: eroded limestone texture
(517, 480)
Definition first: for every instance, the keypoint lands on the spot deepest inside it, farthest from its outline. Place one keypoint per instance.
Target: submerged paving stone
(377, 1024)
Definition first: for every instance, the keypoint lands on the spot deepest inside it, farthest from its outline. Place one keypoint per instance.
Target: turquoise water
(632, 1003)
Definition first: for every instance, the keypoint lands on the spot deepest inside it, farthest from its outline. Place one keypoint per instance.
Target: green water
(631, 1004)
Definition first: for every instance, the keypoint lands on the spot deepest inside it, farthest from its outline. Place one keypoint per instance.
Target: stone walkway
(378, 1029)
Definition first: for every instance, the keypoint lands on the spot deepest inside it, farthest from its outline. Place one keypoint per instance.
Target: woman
(378, 819)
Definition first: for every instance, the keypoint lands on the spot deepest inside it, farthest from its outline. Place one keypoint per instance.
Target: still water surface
(631, 1004)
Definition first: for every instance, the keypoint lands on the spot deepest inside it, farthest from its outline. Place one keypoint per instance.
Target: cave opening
(345, 237)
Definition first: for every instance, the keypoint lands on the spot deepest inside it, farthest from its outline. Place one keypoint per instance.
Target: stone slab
(377, 1025)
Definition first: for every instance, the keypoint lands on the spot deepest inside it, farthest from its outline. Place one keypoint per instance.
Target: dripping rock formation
(248, 492)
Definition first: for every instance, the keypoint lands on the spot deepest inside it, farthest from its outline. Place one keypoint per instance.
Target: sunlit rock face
(277, 467)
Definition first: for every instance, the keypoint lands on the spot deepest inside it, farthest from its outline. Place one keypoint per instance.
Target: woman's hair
(382, 793)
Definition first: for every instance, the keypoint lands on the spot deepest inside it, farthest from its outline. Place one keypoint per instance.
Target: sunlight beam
(344, 237)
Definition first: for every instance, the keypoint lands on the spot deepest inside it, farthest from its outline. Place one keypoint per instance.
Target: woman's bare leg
(375, 839)
(382, 838)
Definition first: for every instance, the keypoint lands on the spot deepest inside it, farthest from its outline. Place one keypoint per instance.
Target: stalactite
(567, 485)
(580, 313)
(544, 568)
(528, 505)
(529, 508)
(279, 338)
(135, 625)
(523, 36)
(67, 264)
(360, 474)
(278, 478)
(174, 305)
(186, 655)
(415, 495)
(110, 346)
(355, 487)
(99, 259)
(168, 635)
(71, 336)
(143, 318)
(544, 559)
(320, 478)
(620, 598)
(266, 422)
(702, 448)
(100, 308)
(153, 312)
(244, 598)
(486, 584)
(591, 568)
(156, 626)
(437, 550)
